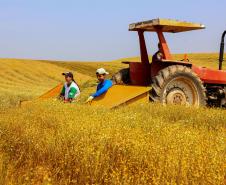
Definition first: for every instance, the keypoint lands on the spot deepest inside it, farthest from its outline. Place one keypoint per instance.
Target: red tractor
(174, 82)
(163, 80)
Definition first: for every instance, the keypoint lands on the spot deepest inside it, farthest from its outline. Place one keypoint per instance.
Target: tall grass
(55, 143)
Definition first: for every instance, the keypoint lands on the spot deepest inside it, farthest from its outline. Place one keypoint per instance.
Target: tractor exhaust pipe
(221, 55)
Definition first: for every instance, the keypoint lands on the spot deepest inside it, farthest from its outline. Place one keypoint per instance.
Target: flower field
(51, 142)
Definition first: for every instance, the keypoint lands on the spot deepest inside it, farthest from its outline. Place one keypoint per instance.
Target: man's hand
(90, 99)
(69, 100)
(60, 97)
(159, 56)
(66, 101)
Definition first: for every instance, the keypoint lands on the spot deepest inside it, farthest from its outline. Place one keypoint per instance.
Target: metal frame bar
(221, 54)
(143, 48)
(164, 46)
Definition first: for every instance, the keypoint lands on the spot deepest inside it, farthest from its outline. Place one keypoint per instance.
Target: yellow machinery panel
(117, 95)
(54, 92)
(122, 95)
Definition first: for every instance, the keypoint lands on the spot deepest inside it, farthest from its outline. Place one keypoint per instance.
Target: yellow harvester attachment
(122, 95)
(52, 93)
(114, 97)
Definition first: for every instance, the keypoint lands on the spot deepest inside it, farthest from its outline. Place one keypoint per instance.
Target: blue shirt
(102, 87)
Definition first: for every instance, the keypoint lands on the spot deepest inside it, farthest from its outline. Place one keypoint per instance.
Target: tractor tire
(121, 77)
(178, 84)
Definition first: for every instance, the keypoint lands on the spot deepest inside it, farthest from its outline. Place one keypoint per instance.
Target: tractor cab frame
(141, 73)
(159, 26)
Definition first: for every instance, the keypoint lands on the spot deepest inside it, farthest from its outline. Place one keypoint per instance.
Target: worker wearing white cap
(103, 85)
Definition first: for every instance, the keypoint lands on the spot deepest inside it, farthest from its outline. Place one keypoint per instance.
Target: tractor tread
(160, 80)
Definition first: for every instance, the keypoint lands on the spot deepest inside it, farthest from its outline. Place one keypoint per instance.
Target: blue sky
(98, 29)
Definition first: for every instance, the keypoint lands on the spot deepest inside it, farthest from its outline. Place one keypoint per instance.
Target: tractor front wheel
(178, 85)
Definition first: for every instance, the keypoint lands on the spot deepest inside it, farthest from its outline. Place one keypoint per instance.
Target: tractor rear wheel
(121, 77)
(178, 84)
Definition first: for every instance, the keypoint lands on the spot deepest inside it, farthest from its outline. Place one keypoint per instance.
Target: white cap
(101, 71)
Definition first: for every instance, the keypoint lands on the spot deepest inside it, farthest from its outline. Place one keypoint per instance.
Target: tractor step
(119, 95)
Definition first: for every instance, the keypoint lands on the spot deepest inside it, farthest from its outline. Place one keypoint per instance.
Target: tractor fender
(156, 66)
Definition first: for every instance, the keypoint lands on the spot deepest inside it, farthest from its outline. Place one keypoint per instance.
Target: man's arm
(158, 56)
(72, 93)
(62, 93)
(104, 89)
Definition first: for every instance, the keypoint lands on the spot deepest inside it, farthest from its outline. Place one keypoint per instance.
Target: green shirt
(70, 92)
